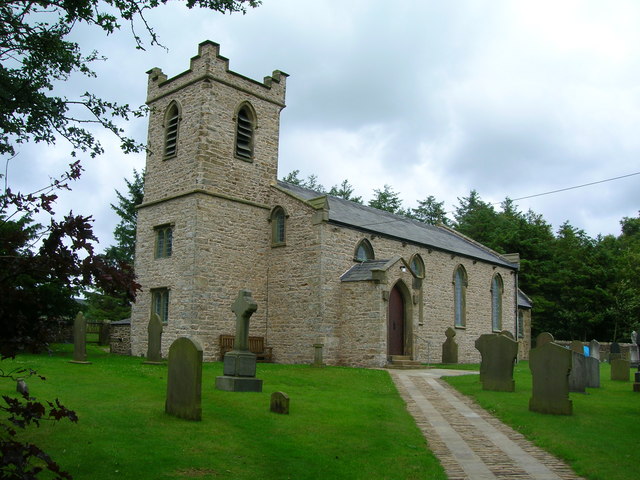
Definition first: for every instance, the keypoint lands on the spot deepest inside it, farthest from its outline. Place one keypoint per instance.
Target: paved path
(470, 443)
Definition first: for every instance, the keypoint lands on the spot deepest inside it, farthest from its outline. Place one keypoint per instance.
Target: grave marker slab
(614, 351)
(239, 367)
(593, 372)
(184, 381)
(80, 340)
(594, 349)
(578, 378)
(576, 346)
(620, 370)
(499, 353)
(317, 355)
(154, 343)
(550, 365)
(450, 347)
(280, 403)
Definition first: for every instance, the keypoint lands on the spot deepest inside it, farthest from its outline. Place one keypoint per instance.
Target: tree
(345, 190)
(125, 232)
(311, 182)
(387, 200)
(474, 218)
(430, 211)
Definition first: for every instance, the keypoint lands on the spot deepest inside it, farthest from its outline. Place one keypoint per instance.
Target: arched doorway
(395, 327)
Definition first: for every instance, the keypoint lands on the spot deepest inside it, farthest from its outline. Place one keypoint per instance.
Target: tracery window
(497, 288)
(278, 226)
(160, 303)
(417, 266)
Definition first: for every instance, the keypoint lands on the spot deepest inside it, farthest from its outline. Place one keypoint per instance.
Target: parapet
(209, 66)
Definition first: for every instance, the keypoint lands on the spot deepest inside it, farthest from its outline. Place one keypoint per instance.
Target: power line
(571, 188)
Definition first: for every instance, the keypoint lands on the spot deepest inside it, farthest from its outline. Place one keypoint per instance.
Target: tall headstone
(594, 349)
(239, 366)
(184, 381)
(450, 347)
(636, 383)
(620, 370)
(593, 372)
(578, 378)
(550, 365)
(317, 355)
(633, 350)
(614, 351)
(80, 340)
(154, 343)
(499, 353)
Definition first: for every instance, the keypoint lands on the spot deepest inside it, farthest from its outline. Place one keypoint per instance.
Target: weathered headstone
(593, 372)
(317, 355)
(239, 366)
(578, 378)
(154, 344)
(594, 349)
(450, 347)
(104, 334)
(499, 353)
(614, 351)
(576, 346)
(550, 365)
(636, 383)
(280, 403)
(80, 340)
(620, 370)
(22, 388)
(633, 350)
(184, 381)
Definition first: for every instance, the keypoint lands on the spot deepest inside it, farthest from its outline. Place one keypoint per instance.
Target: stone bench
(256, 346)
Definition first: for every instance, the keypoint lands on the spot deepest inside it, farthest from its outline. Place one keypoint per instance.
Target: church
(368, 285)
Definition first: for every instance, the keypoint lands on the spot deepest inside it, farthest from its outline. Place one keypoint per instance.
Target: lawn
(344, 423)
(600, 440)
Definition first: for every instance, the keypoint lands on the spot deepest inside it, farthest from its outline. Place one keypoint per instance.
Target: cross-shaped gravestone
(240, 364)
(450, 347)
(244, 306)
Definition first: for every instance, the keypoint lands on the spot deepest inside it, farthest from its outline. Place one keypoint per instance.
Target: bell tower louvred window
(171, 130)
(244, 133)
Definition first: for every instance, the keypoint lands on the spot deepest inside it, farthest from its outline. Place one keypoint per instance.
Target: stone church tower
(203, 228)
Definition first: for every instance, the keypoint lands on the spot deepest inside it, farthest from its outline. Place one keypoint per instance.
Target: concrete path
(470, 443)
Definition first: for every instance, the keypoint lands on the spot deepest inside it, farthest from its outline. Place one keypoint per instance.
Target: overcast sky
(510, 98)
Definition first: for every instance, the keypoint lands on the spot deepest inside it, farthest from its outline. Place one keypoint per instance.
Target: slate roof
(523, 300)
(350, 214)
(363, 271)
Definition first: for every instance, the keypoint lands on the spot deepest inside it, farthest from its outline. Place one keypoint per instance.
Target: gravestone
(576, 346)
(80, 340)
(578, 378)
(620, 370)
(317, 355)
(280, 403)
(614, 352)
(239, 368)
(633, 350)
(636, 383)
(593, 372)
(22, 388)
(450, 347)
(104, 335)
(594, 349)
(184, 380)
(154, 343)
(550, 365)
(499, 353)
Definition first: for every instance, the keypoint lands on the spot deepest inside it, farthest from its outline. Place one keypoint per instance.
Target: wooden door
(396, 322)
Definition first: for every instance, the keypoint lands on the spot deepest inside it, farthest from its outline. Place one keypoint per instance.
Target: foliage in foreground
(344, 423)
(599, 441)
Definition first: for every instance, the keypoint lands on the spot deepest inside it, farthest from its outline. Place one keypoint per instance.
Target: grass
(600, 440)
(344, 423)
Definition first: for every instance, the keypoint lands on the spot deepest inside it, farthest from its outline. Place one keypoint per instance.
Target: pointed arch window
(497, 289)
(417, 266)
(460, 296)
(278, 227)
(364, 251)
(245, 126)
(171, 130)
